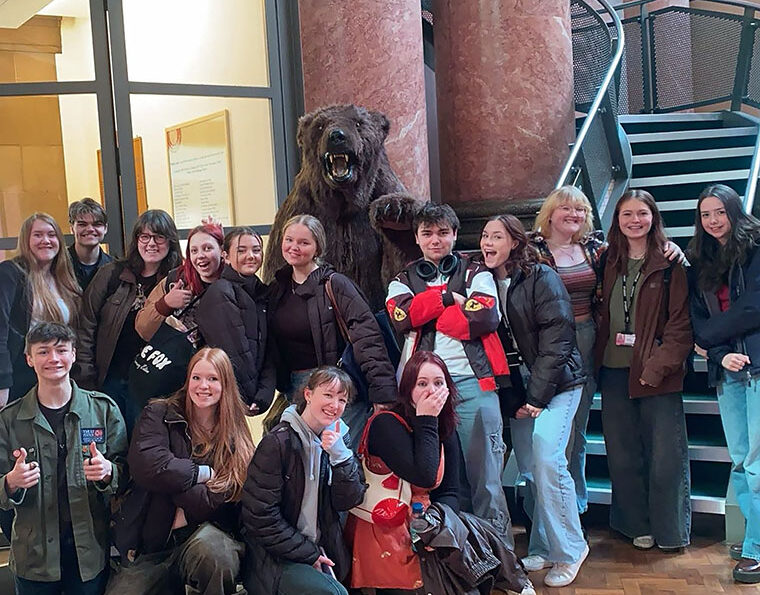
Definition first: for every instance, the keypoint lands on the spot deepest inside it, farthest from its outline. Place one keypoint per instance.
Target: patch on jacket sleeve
(397, 313)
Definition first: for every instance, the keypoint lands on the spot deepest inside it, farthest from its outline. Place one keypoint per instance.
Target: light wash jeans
(480, 432)
(539, 445)
(648, 459)
(739, 402)
(585, 335)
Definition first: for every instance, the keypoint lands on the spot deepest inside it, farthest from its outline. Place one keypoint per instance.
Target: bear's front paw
(393, 211)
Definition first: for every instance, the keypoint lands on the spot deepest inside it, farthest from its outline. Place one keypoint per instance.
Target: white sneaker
(535, 563)
(562, 574)
(643, 542)
(528, 589)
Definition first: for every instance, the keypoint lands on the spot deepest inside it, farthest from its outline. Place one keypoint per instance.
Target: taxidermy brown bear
(347, 182)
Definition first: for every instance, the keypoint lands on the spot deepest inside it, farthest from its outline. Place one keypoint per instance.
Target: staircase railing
(689, 57)
(599, 160)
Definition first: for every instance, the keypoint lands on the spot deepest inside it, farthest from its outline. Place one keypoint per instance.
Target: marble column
(370, 54)
(504, 77)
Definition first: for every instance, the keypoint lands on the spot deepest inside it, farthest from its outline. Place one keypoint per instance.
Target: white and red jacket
(464, 336)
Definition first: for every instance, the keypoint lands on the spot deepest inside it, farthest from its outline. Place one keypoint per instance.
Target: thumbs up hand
(330, 437)
(23, 475)
(178, 297)
(97, 467)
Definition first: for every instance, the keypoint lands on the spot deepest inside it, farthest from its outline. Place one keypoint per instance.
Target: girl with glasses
(108, 339)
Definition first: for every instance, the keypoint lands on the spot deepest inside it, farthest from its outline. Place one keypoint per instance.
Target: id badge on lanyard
(627, 338)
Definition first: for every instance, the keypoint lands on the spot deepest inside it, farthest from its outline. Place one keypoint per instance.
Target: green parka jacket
(35, 546)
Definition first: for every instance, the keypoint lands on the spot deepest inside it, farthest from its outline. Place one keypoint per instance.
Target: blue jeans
(585, 335)
(297, 579)
(648, 459)
(539, 445)
(480, 433)
(739, 402)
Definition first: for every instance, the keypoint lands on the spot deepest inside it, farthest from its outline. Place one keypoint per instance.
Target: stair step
(692, 404)
(700, 363)
(700, 178)
(677, 205)
(700, 449)
(734, 131)
(672, 117)
(680, 232)
(600, 492)
(688, 204)
(696, 155)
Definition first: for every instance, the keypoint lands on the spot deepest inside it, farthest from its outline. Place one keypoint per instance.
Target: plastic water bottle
(418, 511)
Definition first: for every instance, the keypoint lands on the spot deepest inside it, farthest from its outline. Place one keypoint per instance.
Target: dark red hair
(189, 275)
(447, 418)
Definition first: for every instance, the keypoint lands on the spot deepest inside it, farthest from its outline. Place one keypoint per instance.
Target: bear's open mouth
(339, 166)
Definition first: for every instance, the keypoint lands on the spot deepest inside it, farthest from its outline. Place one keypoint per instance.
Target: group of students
(516, 336)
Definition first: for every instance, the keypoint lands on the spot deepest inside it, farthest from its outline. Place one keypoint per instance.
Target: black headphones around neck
(427, 271)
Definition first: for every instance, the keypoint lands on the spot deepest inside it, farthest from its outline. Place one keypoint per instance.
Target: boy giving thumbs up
(61, 457)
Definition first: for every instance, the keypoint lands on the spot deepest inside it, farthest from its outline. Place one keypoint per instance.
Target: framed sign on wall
(198, 153)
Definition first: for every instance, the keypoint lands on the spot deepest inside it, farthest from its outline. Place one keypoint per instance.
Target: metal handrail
(597, 102)
(739, 3)
(749, 8)
(754, 172)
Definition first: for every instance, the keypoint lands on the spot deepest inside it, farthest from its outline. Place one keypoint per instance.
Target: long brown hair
(44, 303)
(229, 444)
(524, 255)
(447, 418)
(618, 243)
(712, 260)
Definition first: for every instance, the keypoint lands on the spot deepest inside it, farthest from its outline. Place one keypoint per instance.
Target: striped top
(580, 282)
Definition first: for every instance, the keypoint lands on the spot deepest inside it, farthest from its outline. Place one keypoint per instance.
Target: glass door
(175, 104)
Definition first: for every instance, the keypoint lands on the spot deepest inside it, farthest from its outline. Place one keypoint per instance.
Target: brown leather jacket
(105, 306)
(663, 339)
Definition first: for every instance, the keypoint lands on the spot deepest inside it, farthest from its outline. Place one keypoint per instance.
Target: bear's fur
(344, 179)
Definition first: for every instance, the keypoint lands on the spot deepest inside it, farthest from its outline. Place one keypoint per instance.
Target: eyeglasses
(145, 238)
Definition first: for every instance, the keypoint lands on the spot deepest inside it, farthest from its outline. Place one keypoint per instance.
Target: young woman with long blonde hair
(37, 285)
(188, 458)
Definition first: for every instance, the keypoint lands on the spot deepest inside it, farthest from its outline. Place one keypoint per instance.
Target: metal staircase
(673, 156)
(676, 155)
(632, 75)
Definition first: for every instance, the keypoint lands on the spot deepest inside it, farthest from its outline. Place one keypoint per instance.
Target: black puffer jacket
(369, 347)
(541, 319)
(272, 499)
(232, 315)
(161, 465)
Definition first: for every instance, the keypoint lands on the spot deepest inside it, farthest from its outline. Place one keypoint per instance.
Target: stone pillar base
(474, 215)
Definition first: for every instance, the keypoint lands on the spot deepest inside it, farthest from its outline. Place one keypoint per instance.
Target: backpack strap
(338, 315)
